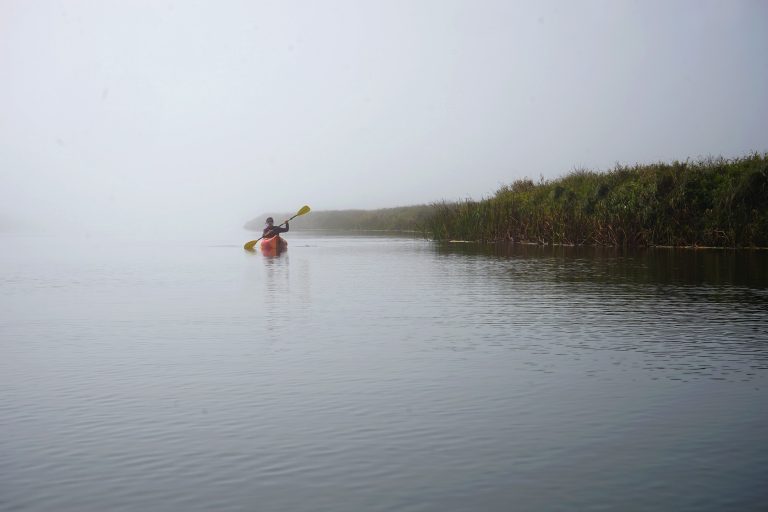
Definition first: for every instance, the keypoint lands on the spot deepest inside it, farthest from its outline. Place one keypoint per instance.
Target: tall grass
(710, 202)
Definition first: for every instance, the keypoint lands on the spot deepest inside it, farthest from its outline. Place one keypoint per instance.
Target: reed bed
(713, 202)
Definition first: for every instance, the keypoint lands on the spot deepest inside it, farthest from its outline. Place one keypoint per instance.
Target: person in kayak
(272, 230)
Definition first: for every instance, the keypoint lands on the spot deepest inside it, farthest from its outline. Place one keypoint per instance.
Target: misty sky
(178, 115)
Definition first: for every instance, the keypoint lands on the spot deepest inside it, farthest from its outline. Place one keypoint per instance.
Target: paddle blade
(249, 246)
(304, 209)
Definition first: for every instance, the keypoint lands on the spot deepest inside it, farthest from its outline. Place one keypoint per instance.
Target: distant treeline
(713, 202)
(404, 218)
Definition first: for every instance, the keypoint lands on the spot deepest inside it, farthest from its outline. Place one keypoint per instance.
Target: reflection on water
(683, 267)
(691, 313)
(377, 373)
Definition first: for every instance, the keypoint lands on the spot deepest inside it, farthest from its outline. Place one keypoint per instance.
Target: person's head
(270, 221)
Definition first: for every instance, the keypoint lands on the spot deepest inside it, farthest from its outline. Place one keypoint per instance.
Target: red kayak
(273, 245)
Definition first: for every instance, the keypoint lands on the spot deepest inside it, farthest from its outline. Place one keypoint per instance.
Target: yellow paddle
(250, 245)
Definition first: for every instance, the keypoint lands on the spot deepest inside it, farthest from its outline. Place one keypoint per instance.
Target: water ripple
(380, 374)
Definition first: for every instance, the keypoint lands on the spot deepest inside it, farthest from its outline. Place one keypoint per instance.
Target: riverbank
(712, 202)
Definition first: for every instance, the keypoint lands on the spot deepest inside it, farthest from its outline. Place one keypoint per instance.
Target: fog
(188, 116)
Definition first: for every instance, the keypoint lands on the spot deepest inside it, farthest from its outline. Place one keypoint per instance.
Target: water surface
(378, 374)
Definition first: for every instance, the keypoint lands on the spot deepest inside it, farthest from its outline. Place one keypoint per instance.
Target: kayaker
(272, 230)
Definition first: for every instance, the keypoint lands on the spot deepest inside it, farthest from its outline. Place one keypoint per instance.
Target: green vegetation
(405, 218)
(712, 202)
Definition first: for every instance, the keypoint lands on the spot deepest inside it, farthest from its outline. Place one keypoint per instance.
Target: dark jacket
(274, 230)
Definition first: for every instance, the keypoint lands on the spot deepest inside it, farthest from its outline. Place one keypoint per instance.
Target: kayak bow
(273, 245)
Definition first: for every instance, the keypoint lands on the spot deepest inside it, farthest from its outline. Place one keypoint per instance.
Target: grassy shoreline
(714, 202)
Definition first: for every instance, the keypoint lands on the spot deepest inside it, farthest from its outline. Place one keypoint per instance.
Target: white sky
(137, 115)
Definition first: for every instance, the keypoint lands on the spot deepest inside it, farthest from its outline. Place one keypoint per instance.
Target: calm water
(379, 374)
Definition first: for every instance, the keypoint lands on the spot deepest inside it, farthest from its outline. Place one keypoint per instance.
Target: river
(374, 373)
